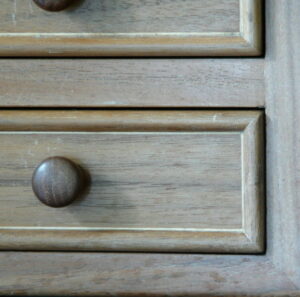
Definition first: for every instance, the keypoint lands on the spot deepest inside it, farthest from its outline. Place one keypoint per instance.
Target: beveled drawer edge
(246, 42)
(250, 239)
(133, 240)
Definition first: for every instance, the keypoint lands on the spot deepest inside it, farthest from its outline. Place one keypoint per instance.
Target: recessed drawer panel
(131, 28)
(153, 181)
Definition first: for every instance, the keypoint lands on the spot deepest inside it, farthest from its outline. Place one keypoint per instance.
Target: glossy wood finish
(53, 5)
(133, 28)
(181, 181)
(142, 83)
(57, 181)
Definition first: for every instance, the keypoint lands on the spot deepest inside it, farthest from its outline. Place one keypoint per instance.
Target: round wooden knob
(57, 181)
(53, 5)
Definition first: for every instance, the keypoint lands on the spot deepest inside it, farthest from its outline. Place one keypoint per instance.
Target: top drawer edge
(133, 28)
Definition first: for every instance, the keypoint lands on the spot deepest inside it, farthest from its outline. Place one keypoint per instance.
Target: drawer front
(132, 28)
(157, 181)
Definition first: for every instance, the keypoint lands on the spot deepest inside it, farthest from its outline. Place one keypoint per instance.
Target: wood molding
(245, 42)
(128, 121)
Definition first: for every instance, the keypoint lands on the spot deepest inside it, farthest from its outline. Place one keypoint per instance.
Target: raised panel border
(246, 42)
(248, 239)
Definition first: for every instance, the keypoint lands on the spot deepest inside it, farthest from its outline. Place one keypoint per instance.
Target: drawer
(171, 181)
(132, 28)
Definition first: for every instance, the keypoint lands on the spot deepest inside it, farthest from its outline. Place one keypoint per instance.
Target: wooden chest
(149, 148)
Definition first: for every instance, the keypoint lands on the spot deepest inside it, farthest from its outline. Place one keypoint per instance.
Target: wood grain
(283, 145)
(127, 16)
(120, 274)
(132, 83)
(133, 28)
(166, 181)
(274, 274)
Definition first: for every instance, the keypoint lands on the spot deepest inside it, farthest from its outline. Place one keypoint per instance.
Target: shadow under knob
(53, 5)
(57, 181)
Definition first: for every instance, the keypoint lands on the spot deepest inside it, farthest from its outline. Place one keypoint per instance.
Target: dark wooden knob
(57, 181)
(53, 5)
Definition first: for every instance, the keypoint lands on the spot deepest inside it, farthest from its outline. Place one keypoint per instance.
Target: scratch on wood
(14, 14)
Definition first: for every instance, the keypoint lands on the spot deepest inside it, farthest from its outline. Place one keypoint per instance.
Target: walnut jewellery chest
(149, 148)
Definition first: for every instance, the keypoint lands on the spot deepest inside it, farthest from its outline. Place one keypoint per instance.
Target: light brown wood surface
(274, 274)
(132, 83)
(126, 16)
(133, 28)
(283, 142)
(160, 180)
